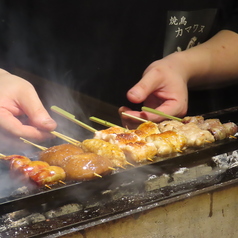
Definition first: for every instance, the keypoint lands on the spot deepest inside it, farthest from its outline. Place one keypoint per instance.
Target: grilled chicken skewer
(78, 164)
(218, 130)
(107, 150)
(88, 166)
(39, 172)
(195, 136)
(196, 130)
(150, 139)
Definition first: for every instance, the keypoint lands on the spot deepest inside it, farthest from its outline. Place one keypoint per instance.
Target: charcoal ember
(64, 210)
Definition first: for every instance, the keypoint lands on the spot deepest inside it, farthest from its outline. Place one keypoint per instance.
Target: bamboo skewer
(102, 122)
(151, 110)
(71, 117)
(31, 143)
(138, 118)
(66, 138)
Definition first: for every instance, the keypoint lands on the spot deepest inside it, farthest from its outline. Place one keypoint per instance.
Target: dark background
(100, 48)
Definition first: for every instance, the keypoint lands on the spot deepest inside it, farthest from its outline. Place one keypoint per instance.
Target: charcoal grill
(42, 212)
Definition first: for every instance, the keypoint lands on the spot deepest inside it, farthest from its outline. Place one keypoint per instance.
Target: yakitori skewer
(100, 147)
(62, 153)
(39, 172)
(129, 141)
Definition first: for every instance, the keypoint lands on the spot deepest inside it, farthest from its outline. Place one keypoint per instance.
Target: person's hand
(162, 87)
(21, 111)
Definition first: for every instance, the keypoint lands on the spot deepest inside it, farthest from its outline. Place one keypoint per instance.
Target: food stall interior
(43, 212)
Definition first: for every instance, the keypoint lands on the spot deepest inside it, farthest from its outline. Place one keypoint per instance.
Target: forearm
(213, 62)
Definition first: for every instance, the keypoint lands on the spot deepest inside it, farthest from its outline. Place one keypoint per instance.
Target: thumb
(41, 119)
(37, 114)
(147, 85)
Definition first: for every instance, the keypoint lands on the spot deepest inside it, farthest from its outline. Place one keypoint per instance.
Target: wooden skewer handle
(151, 110)
(71, 117)
(102, 122)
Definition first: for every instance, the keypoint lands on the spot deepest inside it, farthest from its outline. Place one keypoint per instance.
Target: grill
(42, 212)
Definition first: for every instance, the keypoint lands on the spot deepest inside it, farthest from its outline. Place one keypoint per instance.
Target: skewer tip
(97, 175)
(60, 181)
(130, 163)
(47, 186)
(111, 168)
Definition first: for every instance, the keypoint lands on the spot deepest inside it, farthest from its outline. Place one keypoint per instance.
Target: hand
(162, 87)
(21, 111)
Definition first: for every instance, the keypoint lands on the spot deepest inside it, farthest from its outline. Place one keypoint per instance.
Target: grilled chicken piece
(195, 136)
(109, 133)
(231, 128)
(220, 131)
(32, 168)
(132, 142)
(16, 161)
(124, 138)
(195, 119)
(147, 128)
(49, 175)
(86, 166)
(105, 149)
(169, 125)
(55, 155)
(138, 151)
(168, 142)
(38, 171)
(117, 133)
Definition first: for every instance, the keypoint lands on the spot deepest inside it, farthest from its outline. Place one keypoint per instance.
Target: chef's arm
(164, 84)
(214, 62)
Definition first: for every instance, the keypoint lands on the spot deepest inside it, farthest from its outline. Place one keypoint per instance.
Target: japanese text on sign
(183, 26)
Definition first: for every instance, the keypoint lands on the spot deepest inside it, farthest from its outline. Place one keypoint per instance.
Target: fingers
(12, 126)
(34, 109)
(162, 87)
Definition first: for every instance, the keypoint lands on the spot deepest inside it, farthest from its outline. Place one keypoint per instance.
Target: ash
(226, 160)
